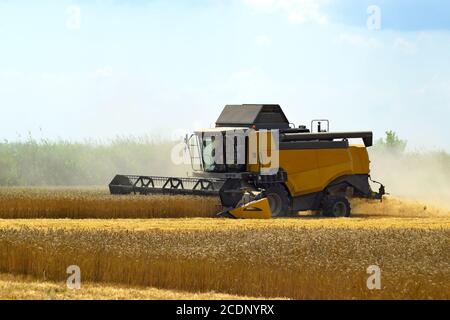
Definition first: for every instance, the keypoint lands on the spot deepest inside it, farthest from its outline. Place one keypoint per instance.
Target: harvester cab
(260, 166)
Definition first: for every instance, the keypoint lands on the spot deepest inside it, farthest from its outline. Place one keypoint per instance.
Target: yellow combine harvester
(261, 166)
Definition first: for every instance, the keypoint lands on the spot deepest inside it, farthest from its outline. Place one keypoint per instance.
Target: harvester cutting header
(262, 166)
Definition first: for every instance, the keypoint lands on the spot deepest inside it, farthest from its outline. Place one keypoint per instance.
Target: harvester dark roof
(263, 116)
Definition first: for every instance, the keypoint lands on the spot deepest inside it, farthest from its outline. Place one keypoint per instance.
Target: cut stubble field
(18, 287)
(300, 258)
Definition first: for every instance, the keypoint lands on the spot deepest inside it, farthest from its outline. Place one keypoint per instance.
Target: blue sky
(165, 67)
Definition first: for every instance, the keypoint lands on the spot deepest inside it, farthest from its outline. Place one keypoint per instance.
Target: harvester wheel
(336, 207)
(279, 200)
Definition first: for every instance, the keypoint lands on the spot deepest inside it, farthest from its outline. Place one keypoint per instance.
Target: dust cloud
(420, 176)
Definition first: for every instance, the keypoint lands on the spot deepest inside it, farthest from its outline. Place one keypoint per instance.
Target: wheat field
(171, 243)
(290, 258)
(97, 203)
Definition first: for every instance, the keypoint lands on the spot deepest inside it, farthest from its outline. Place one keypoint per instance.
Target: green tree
(392, 142)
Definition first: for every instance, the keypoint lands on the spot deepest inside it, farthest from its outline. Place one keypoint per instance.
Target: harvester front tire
(336, 207)
(279, 200)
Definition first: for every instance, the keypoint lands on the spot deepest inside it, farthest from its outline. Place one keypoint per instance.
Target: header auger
(261, 166)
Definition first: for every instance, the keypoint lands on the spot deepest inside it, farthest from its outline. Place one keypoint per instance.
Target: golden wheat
(295, 258)
(96, 203)
(398, 207)
(307, 257)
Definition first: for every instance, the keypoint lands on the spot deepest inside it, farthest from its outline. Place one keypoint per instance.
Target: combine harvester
(314, 170)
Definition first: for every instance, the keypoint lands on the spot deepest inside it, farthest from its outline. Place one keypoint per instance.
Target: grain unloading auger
(261, 166)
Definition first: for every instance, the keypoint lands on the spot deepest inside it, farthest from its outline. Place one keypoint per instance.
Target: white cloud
(101, 73)
(405, 46)
(297, 11)
(263, 40)
(356, 40)
(248, 85)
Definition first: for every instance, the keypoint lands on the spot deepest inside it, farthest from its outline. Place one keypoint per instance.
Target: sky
(99, 69)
